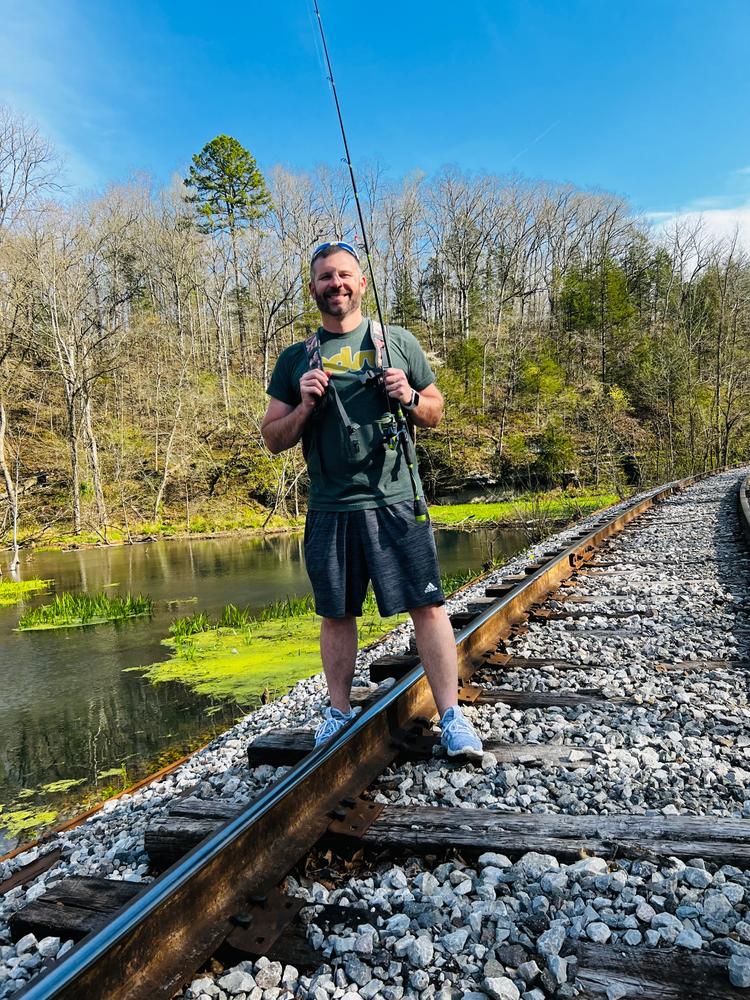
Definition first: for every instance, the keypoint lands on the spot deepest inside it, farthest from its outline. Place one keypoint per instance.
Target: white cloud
(716, 223)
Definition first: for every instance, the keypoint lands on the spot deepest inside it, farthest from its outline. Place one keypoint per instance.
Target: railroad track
(147, 942)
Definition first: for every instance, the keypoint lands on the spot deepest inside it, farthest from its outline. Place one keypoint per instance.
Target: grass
(14, 591)
(73, 610)
(552, 508)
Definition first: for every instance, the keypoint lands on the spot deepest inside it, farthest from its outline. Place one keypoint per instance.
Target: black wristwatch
(413, 402)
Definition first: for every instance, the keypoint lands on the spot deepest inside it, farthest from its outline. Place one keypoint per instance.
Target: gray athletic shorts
(345, 550)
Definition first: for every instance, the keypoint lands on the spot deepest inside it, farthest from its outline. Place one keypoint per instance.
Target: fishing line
(403, 435)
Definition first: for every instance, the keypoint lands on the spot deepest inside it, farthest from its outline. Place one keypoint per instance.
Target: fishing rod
(402, 434)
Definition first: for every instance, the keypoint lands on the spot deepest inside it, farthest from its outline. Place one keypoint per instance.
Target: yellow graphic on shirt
(345, 361)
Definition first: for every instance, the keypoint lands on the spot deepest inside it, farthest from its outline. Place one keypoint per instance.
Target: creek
(76, 723)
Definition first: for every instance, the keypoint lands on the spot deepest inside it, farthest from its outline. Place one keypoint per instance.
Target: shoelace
(459, 724)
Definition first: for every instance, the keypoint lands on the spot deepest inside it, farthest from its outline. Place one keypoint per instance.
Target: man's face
(337, 284)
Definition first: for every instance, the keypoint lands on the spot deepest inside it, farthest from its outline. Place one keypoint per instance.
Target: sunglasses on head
(335, 243)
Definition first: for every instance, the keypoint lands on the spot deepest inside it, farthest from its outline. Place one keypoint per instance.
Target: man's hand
(397, 385)
(312, 387)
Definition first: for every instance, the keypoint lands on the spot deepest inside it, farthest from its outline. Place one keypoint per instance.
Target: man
(361, 522)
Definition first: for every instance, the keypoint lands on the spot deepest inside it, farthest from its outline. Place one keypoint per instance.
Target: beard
(348, 302)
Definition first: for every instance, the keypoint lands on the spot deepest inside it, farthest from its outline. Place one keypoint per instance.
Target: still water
(70, 710)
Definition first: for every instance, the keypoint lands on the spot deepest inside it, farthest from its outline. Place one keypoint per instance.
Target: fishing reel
(391, 432)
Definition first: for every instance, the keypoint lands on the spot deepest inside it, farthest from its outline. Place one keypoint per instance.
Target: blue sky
(647, 99)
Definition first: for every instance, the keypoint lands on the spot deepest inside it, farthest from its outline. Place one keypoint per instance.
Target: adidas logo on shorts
(430, 588)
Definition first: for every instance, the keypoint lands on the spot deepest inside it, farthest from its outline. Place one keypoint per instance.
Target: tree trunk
(10, 487)
(92, 451)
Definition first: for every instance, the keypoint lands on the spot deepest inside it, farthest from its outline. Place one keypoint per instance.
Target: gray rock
(554, 883)
(370, 990)
(27, 943)
(699, 878)
(237, 981)
(529, 971)
(632, 938)
(533, 865)
(357, 971)
(558, 967)
(454, 943)
(551, 941)
(739, 972)
(669, 926)
(419, 979)
(49, 947)
(718, 913)
(496, 860)
(398, 925)
(205, 986)
(420, 952)
(598, 932)
(689, 939)
(501, 988)
(268, 974)
(589, 866)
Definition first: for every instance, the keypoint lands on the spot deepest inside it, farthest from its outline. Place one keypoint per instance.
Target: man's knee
(427, 612)
(339, 623)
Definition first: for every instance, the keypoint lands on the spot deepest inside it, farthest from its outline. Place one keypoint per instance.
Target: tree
(229, 193)
(28, 168)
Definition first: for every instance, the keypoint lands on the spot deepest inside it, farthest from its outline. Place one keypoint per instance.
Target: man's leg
(437, 648)
(338, 651)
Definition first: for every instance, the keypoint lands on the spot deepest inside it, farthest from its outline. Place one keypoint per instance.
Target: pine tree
(229, 193)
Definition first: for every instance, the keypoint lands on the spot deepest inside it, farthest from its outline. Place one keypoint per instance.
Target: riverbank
(547, 508)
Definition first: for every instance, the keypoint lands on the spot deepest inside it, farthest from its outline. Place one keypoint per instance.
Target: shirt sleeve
(283, 385)
(418, 372)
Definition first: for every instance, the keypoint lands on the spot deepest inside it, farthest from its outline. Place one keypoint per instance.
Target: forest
(574, 343)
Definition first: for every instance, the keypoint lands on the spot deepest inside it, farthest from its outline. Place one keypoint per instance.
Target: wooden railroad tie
(287, 747)
(652, 974)
(423, 829)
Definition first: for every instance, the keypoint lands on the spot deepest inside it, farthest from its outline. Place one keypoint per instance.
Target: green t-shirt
(376, 476)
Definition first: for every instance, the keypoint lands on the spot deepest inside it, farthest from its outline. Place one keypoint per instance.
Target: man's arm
(429, 412)
(283, 424)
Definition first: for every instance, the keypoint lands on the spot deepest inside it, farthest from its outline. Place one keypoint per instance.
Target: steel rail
(153, 945)
(743, 505)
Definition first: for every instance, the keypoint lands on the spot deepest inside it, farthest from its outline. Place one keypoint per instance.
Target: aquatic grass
(290, 607)
(14, 591)
(182, 628)
(70, 610)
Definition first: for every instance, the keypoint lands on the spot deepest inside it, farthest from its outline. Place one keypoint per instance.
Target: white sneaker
(459, 736)
(333, 721)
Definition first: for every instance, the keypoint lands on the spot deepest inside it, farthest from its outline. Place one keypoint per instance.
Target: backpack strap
(376, 335)
(315, 360)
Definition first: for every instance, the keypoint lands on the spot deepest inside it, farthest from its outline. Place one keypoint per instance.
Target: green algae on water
(22, 822)
(14, 591)
(240, 664)
(55, 787)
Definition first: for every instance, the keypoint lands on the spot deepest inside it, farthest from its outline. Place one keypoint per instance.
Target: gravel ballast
(496, 927)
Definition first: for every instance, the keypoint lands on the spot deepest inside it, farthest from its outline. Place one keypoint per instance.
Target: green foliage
(226, 186)
(554, 454)
(466, 360)
(190, 625)
(72, 610)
